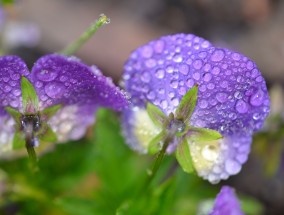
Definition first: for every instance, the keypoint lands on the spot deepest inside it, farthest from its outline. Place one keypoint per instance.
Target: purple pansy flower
(226, 203)
(232, 99)
(57, 79)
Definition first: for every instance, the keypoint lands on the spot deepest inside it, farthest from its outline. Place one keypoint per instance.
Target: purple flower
(232, 99)
(226, 203)
(57, 79)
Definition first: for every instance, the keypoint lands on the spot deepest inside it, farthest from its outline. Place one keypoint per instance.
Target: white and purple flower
(68, 94)
(232, 99)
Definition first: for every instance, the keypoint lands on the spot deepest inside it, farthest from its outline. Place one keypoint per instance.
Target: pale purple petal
(226, 203)
(66, 80)
(11, 70)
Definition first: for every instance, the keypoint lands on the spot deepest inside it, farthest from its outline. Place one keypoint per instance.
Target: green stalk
(74, 47)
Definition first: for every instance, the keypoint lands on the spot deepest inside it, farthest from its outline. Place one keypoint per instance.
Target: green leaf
(18, 140)
(49, 112)
(187, 105)
(156, 115)
(202, 134)
(47, 134)
(154, 145)
(184, 157)
(15, 114)
(29, 96)
(6, 2)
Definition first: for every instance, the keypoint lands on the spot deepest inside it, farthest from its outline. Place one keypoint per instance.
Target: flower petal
(218, 159)
(226, 203)
(232, 94)
(11, 70)
(6, 134)
(66, 80)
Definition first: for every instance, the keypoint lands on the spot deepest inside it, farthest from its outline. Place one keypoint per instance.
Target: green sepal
(15, 114)
(154, 145)
(18, 140)
(49, 112)
(29, 96)
(197, 134)
(183, 156)
(156, 115)
(47, 134)
(187, 105)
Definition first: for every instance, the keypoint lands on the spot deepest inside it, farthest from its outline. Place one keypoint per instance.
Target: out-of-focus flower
(226, 203)
(232, 99)
(68, 93)
(17, 34)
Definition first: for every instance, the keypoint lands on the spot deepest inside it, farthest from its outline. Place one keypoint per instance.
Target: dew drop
(203, 104)
(241, 106)
(16, 92)
(151, 95)
(210, 152)
(222, 97)
(189, 83)
(197, 64)
(150, 63)
(217, 55)
(145, 77)
(174, 84)
(238, 95)
(147, 51)
(196, 76)
(46, 75)
(256, 116)
(177, 58)
(175, 101)
(257, 98)
(182, 91)
(211, 86)
(164, 104)
(216, 70)
(207, 77)
(169, 69)
(54, 89)
(159, 46)
(232, 167)
(160, 73)
(183, 69)
(236, 56)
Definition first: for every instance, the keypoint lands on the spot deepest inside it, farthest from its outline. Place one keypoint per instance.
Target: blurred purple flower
(226, 203)
(20, 34)
(232, 99)
(57, 79)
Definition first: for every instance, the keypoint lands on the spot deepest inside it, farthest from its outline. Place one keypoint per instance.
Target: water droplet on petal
(210, 152)
(232, 167)
(145, 77)
(177, 58)
(54, 89)
(238, 95)
(222, 97)
(207, 77)
(169, 69)
(197, 64)
(46, 75)
(257, 98)
(203, 104)
(256, 116)
(147, 51)
(196, 76)
(236, 56)
(241, 106)
(160, 73)
(183, 69)
(174, 84)
(218, 55)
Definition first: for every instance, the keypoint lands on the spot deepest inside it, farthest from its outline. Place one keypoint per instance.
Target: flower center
(30, 124)
(177, 125)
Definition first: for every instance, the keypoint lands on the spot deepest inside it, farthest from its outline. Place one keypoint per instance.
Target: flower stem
(31, 153)
(157, 164)
(72, 48)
